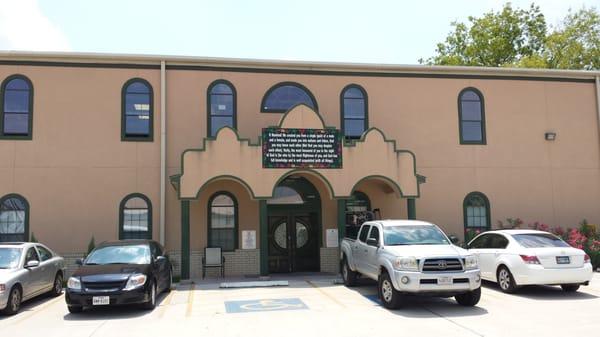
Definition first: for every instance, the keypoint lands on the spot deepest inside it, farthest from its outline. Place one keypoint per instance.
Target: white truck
(410, 257)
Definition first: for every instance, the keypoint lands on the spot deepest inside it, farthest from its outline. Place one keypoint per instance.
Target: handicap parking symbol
(264, 305)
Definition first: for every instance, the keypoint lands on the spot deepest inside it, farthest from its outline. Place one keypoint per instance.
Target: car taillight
(586, 259)
(530, 259)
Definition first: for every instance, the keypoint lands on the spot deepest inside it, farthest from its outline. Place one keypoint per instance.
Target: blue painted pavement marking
(374, 298)
(278, 304)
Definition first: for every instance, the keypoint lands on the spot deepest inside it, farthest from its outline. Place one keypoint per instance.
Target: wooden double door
(293, 241)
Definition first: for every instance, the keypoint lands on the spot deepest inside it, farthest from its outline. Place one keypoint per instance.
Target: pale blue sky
(373, 31)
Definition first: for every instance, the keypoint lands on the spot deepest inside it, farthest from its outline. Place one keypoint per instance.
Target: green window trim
(27, 210)
(343, 113)
(209, 242)
(122, 214)
(488, 220)
(282, 84)
(124, 136)
(208, 105)
(29, 135)
(483, 140)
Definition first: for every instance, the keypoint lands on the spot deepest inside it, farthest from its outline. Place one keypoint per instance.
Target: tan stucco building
(274, 161)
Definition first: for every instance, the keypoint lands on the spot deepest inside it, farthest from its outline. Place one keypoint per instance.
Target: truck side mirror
(373, 242)
(79, 262)
(454, 239)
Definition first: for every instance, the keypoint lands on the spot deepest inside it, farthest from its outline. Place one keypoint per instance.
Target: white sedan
(513, 258)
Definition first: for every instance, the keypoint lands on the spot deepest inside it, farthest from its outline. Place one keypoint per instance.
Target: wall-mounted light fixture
(550, 136)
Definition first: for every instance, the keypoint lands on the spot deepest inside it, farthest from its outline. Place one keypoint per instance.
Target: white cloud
(23, 26)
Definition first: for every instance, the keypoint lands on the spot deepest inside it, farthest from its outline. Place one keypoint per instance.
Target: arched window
(14, 218)
(135, 217)
(284, 96)
(476, 209)
(285, 195)
(222, 221)
(17, 108)
(221, 106)
(137, 116)
(471, 114)
(354, 108)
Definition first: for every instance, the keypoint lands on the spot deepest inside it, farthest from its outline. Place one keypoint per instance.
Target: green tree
(494, 40)
(575, 44)
(520, 38)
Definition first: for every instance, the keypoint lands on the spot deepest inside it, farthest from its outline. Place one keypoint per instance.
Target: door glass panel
(280, 235)
(301, 235)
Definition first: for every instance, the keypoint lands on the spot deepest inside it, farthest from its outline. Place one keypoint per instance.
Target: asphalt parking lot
(314, 305)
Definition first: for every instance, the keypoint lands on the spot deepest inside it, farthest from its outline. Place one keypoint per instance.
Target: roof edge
(266, 64)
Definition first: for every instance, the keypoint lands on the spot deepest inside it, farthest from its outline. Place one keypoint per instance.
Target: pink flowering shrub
(539, 226)
(511, 223)
(470, 234)
(577, 239)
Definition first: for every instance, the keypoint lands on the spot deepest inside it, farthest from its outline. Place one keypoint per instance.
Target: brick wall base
(330, 260)
(237, 263)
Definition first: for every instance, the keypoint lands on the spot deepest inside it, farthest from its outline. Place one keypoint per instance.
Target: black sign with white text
(301, 148)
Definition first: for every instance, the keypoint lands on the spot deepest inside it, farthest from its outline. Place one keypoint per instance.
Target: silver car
(27, 270)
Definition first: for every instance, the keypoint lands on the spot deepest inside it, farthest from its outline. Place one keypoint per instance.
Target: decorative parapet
(228, 157)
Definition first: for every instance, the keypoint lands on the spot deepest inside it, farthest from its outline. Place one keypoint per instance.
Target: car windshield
(131, 254)
(9, 257)
(413, 235)
(540, 240)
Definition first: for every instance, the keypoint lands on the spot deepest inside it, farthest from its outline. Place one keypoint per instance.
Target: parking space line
(165, 304)
(190, 302)
(38, 310)
(325, 293)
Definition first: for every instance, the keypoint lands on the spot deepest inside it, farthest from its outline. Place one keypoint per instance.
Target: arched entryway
(294, 228)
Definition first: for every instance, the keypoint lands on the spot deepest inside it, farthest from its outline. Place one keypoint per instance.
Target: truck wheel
(348, 275)
(569, 288)
(469, 299)
(391, 298)
(506, 281)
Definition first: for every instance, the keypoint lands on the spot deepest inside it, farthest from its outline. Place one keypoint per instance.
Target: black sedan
(121, 272)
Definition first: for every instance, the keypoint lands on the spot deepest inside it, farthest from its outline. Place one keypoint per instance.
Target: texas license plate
(563, 260)
(444, 280)
(100, 300)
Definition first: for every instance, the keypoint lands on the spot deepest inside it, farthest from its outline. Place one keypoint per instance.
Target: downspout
(163, 149)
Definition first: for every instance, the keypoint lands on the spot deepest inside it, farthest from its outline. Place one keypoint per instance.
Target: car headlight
(406, 263)
(471, 262)
(135, 281)
(74, 283)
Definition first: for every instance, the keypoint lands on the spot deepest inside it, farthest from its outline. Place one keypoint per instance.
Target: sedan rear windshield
(134, 254)
(9, 258)
(540, 240)
(413, 235)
